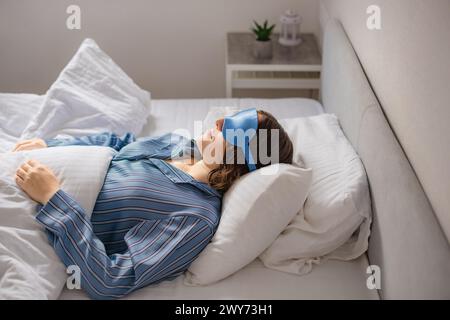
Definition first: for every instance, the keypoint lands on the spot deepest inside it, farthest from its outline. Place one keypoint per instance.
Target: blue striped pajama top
(150, 220)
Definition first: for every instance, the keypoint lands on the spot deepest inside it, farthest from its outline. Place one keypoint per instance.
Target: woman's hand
(30, 145)
(37, 180)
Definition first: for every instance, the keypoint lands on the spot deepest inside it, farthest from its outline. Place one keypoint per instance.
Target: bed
(333, 280)
(407, 243)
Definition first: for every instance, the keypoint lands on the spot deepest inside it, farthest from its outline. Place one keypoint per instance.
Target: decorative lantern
(290, 29)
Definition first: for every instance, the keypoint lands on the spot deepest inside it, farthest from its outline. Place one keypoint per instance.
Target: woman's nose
(219, 124)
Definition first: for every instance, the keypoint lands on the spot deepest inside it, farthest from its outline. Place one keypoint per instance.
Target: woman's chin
(202, 142)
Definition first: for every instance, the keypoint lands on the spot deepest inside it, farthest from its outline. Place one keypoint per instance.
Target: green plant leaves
(263, 32)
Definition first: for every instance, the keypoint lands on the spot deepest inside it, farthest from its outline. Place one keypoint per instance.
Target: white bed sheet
(331, 280)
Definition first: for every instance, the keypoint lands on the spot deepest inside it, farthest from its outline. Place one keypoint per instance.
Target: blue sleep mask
(239, 129)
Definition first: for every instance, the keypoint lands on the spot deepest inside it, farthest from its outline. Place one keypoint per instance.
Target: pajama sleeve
(106, 139)
(156, 249)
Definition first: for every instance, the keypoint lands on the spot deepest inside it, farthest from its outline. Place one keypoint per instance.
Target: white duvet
(16, 111)
(29, 267)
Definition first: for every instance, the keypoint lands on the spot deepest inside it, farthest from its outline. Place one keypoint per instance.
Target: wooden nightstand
(290, 67)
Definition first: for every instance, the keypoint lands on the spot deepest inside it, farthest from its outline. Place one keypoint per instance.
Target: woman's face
(212, 145)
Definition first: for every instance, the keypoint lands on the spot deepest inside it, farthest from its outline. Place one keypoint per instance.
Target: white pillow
(254, 211)
(337, 207)
(92, 94)
(29, 267)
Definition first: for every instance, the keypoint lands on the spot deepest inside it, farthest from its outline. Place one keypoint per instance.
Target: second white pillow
(254, 212)
(335, 221)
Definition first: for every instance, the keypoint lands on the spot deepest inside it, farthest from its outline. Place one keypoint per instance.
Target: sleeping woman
(160, 203)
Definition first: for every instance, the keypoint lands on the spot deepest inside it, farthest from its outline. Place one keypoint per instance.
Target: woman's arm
(29, 144)
(106, 139)
(157, 249)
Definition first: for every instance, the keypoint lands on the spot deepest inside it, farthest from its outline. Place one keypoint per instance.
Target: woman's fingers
(23, 146)
(23, 170)
(39, 183)
(32, 163)
(30, 144)
(21, 173)
(16, 148)
(21, 143)
(26, 166)
(27, 146)
(19, 180)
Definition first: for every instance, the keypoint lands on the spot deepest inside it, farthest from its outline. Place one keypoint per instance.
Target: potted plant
(262, 47)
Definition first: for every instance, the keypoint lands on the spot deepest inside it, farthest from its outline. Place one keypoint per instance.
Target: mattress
(330, 280)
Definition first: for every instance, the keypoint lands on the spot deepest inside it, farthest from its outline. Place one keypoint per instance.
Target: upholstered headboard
(407, 242)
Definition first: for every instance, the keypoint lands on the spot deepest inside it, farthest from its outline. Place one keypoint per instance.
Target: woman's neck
(198, 170)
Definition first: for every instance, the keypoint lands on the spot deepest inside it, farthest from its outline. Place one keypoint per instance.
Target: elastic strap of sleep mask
(239, 129)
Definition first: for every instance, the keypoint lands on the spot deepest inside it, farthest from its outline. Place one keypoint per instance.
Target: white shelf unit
(272, 77)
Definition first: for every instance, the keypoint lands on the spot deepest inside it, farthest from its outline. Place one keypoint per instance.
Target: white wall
(408, 65)
(173, 48)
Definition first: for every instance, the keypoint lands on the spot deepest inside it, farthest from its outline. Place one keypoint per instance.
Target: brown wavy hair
(222, 177)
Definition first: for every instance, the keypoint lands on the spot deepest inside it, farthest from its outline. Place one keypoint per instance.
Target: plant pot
(262, 49)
